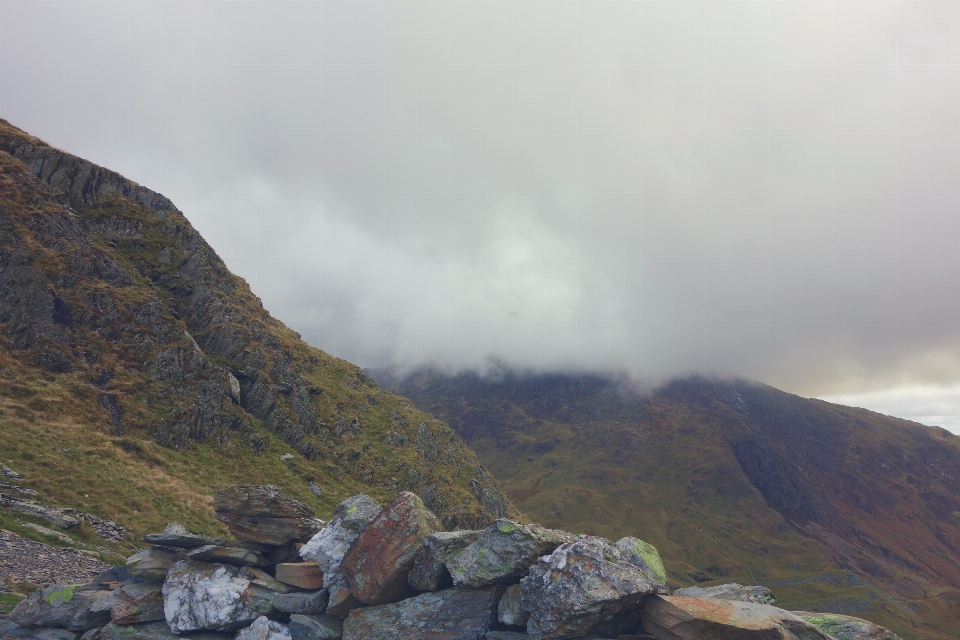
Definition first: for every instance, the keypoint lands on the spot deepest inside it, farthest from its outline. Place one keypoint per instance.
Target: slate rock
(133, 603)
(453, 614)
(429, 571)
(200, 596)
(190, 541)
(340, 601)
(236, 556)
(510, 611)
(378, 563)
(316, 627)
(263, 514)
(11, 631)
(306, 575)
(153, 631)
(329, 546)
(65, 605)
(731, 591)
(265, 580)
(264, 629)
(644, 555)
(581, 584)
(505, 635)
(502, 553)
(302, 602)
(154, 563)
(682, 618)
(846, 627)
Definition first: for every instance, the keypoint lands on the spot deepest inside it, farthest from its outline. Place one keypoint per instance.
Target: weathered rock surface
(306, 575)
(133, 603)
(316, 627)
(236, 556)
(264, 629)
(264, 515)
(55, 515)
(190, 541)
(582, 583)
(731, 591)
(846, 627)
(680, 618)
(154, 563)
(66, 606)
(11, 631)
(454, 614)
(510, 610)
(302, 601)
(377, 565)
(153, 631)
(430, 571)
(502, 553)
(199, 596)
(341, 602)
(644, 555)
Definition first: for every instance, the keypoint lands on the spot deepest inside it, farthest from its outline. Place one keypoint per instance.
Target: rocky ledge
(392, 573)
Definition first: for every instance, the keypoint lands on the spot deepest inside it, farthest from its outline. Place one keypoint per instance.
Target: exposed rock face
(454, 614)
(302, 601)
(679, 618)
(846, 627)
(644, 555)
(67, 606)
(199, 596)
(316, 627)
(264, 515)
(510, 610)
(580, 584)
(429, 571)
(265, 629)
(153, 631)
(306, 575)
(377, 565)
(153, 564)
(502, 553)
(732, 591)
(236, 556)
(133, 603)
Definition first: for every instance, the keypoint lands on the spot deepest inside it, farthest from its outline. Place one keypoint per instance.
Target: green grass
(8, 601)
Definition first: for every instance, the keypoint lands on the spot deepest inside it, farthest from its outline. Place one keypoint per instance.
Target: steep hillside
(137, 374)
(835, 508)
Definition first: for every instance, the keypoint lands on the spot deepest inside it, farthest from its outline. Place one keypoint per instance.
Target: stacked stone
(392, 574)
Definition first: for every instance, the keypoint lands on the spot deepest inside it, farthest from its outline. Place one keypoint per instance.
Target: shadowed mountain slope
(838, 508)
(137, 374)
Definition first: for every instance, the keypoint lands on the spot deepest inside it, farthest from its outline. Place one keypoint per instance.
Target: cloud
(752, 188)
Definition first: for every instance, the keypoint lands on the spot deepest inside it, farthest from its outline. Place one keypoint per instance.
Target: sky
(765, 189)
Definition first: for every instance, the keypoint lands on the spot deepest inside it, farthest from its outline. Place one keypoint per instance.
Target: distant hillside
(835, 508)
(137, 374)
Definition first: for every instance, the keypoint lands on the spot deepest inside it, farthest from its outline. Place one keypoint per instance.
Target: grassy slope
(593, 458)
(129, 477)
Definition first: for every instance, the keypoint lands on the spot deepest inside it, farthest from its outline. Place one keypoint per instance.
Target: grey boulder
(316, 627)
(265, 629)
(152, 631)
(731, 591)
(199, 596)
(453, 614)
(429, 571)
(69, 606)
(302, 602)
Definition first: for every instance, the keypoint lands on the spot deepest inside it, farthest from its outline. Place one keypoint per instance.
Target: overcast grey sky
(767, 189)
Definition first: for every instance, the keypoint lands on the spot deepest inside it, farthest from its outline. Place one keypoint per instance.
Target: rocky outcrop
(679, 618)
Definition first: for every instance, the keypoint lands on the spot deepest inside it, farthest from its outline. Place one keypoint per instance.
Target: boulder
(510, 611)
(236, 556)
(316, 627)
(454, 614)
(579, 585)
(306, 575)
(199, 596)
(429, 571)
(154, 563)
(65, 605)
(264, 515)
(153, 631)
(133, 603)
(340, 601)
(681, 618)
(377, 564)
(328, 547)
(502, 553)
(302, 602)
(264, 629)
(11, 631)
(846, 627)
(644, 555)
(731, 591)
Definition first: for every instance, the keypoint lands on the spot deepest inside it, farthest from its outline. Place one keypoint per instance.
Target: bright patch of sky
(937, 406)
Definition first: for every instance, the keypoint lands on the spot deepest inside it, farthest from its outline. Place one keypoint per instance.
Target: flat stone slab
(153, 631)
(731, 591)
(454, 614)
(306, 575)
(316, 627)
(302, 602)
(262, 514)
(154, 563)
(681, 618)
(188, 541)
(236, 556)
